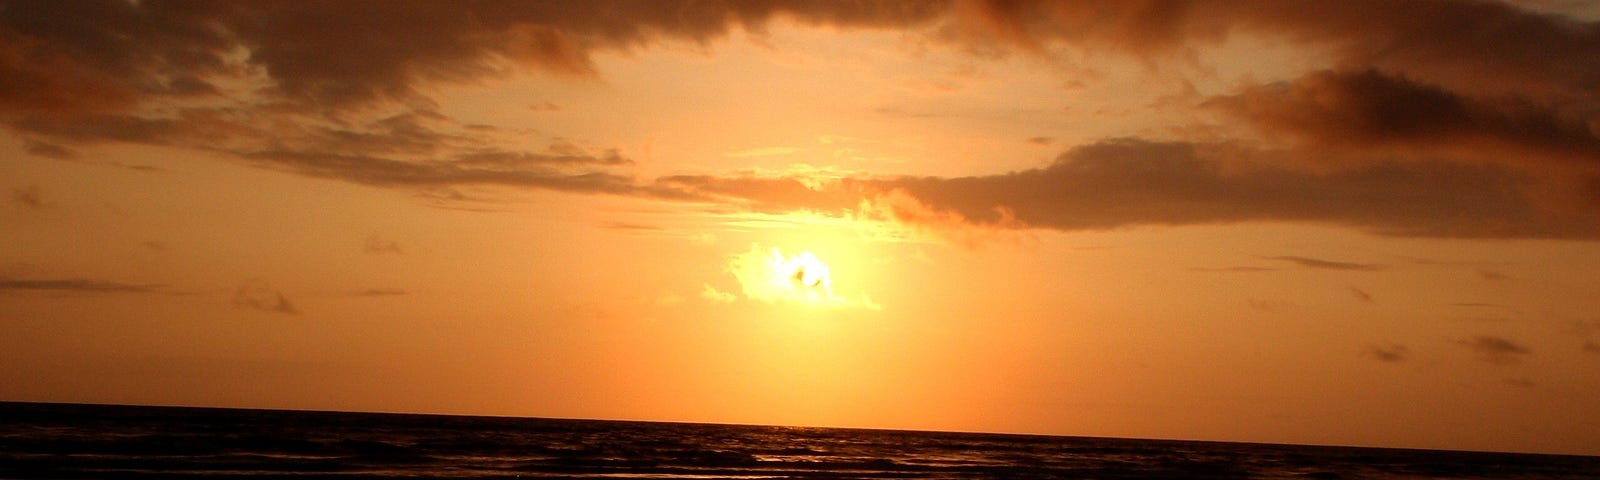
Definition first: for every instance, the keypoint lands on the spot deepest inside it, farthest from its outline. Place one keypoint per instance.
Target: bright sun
(769, 275)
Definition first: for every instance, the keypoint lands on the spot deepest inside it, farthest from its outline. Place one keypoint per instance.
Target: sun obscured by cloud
(769, 275)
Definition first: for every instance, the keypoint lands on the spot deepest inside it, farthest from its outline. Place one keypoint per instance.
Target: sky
(1357, 223)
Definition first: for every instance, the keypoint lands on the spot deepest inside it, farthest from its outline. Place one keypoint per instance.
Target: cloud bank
(1433, 118)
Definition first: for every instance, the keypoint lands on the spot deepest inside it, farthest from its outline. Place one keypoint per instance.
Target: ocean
(39, 440)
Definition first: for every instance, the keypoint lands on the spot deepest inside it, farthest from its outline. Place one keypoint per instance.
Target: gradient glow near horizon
(1363, 222)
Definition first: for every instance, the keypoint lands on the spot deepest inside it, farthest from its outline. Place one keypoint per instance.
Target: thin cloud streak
(1387, 353)
(1326, 264)
(1496, 350)
(79, 285)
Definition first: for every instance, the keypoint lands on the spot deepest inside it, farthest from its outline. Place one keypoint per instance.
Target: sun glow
(771, 276)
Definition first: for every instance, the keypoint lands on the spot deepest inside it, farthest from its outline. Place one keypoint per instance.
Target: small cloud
(155, 246)
(78, 285)
(1361, 295)
(1388, 353)
(544, 107)
(379, 246)
(256, 294)
(1325, 264)
(1520, 382)
(1492, 275)
(49, 150)
(381, 292)
(29, 197)
(1235, 269)
(634, 227)
(763, 152)
(1268, 305)
(1042, 140)
(1496, 350)
(711, 294)
(1590, 346)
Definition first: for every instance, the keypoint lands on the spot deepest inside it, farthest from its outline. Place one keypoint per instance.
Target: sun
(804, 270)
(769, 275)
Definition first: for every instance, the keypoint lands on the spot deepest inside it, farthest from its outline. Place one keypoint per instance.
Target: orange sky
(1362, 222)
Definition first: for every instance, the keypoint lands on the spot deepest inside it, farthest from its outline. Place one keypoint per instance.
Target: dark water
(91, 441)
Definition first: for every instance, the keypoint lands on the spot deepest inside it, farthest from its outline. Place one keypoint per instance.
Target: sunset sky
(1353, 222)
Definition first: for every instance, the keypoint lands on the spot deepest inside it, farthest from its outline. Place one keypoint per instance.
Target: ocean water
(97, 441)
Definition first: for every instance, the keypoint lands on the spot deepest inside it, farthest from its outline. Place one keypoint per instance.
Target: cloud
(379, 246)
(711, 294)
(1128, 182)
(28, 197)
(257, 295)
(1326, 264)
(1488, 46)
(1387, 353)
(1496, 350)
(1590, 346)
(107, 55)
(1361, 295)
(78, 285)
(1493, 275)
(1233, 269)
(379, 292)
(1368, 108)
(1521, 382)
(763, 152)
(341, 91)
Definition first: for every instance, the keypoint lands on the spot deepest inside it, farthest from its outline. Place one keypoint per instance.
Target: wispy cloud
(1493, 275)
(79, 285)
(379, 246)
(28, 197)
(1327, 264)
(763, 152)
(1521, 382)
(1388, 353)
(255, 294)
(381, 292)
(1361, 295)
(1496, 350)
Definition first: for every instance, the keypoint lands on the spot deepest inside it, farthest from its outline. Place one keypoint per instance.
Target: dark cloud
(78, 286)
(1127, 182)
(101, 55)
(257, 295)
(1361, 295)
(48, 150)
(1496, 350)
(1486, 46)
(296, 81)
(1389, 353)
(1369, 108)
(1326, 264)
(1591, 346)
